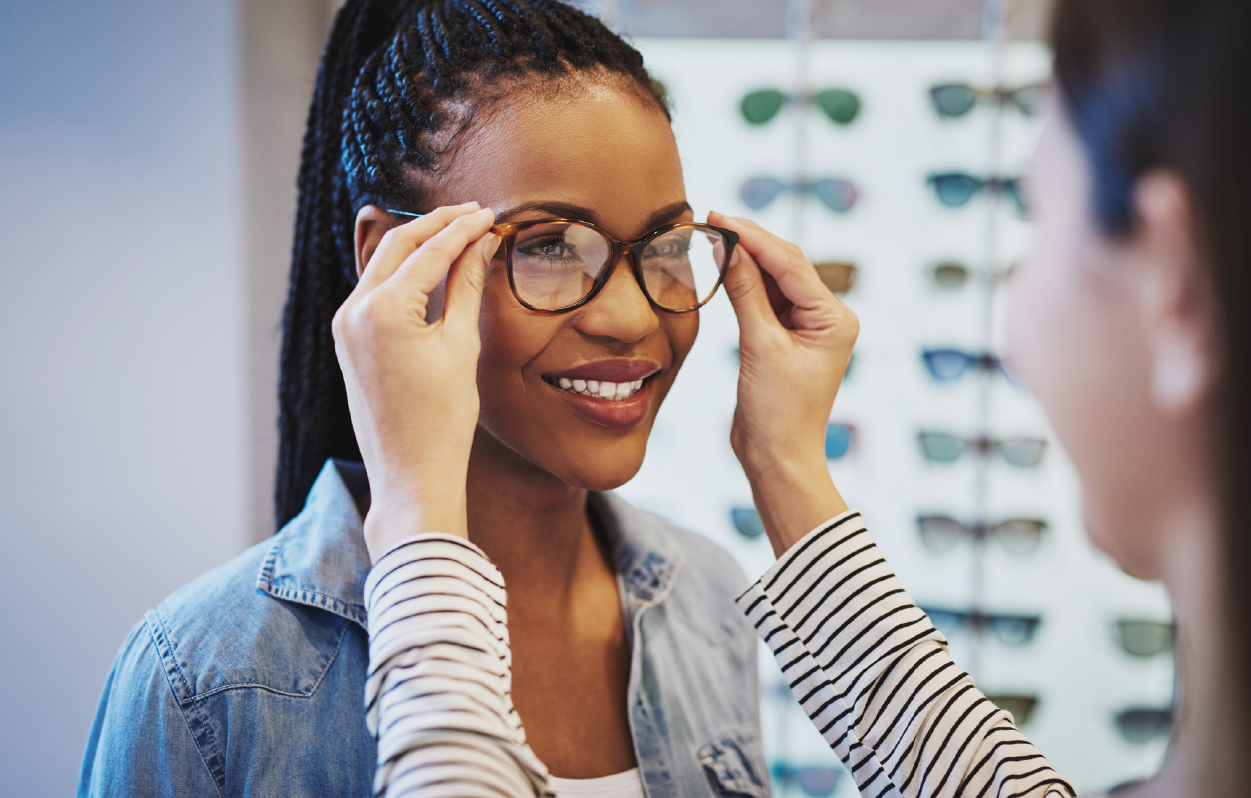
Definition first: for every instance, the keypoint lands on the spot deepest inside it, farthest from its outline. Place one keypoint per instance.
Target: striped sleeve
(876, 677)
(438, 694)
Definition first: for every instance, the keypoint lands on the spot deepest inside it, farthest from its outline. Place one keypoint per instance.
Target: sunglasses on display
(816, 781)
(940, 447)
(835, 193)
(1021, 705)
(1142, 638)
(1144, 724)
(1017, 535)
(839, 105)
(956, 189)
(949, 365)
(1011, 630)
(558, 265)
(953, 100)
(838, 276)
(838, 440)
(747, 522)
(952, 275)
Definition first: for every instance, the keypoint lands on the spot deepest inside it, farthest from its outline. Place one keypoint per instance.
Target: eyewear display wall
(1040, 623)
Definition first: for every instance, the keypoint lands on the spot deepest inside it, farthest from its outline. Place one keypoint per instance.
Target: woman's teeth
(614, 391)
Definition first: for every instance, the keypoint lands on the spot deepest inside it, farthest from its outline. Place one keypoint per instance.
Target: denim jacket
(250, 680)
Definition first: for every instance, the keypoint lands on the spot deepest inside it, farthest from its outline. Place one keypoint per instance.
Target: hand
(411, 380)
(795, 341)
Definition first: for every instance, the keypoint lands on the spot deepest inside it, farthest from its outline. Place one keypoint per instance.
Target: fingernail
(490, 244)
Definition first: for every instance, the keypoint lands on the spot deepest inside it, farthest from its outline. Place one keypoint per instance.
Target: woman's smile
(610, 393)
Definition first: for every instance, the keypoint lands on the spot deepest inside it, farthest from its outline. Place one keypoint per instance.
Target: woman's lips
(604, 412)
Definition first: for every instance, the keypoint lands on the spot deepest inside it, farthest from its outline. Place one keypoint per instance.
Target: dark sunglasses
(940, 447)
(957, 99)
(835, 193)
(1143, 638)
(816, 781)
(558, 265)
(949, 365)
(839, 105)
(1017, 535)
(955, 189)
(1012, 630)
(1020, 705)
(1144, 724)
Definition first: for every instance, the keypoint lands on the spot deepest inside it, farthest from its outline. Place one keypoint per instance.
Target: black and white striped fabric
(866, 665)
(876, 678)
(438, 695)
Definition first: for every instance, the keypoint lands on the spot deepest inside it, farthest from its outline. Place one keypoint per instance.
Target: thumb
(465, 284)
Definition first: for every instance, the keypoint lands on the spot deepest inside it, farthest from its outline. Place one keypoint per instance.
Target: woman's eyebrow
(566, 210)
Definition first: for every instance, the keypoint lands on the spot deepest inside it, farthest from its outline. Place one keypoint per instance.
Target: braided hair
(381, 115)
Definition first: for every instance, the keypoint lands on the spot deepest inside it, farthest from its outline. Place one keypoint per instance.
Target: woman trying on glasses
(1124, 320)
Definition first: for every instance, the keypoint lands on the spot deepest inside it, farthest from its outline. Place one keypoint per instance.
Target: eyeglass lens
(1017, 535)
(838, 439)
(747, 522)
(1140, 638)
(1141, 725)
(1021, 705)
(838, 277)
(556, 265)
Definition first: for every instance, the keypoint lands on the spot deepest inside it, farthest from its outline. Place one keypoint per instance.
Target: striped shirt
(865, 664)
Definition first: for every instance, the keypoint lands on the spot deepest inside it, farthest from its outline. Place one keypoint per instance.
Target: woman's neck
(1206, 754)
(533, 526)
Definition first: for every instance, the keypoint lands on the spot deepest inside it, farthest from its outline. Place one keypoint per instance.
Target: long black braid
(379, 113)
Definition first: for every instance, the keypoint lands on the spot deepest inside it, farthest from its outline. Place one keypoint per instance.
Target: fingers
(425, 268)
(782, 260)
(464, 286)
(400, 242)
(745, 287)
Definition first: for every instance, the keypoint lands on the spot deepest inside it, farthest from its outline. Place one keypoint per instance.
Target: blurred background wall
(147, 160)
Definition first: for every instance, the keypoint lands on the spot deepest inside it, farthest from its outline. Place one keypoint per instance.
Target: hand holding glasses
(839, 105)
(558, 265)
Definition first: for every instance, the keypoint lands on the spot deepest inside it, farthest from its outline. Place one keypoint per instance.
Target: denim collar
(319, 558)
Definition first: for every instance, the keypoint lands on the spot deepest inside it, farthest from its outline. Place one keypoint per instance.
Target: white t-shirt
(619, 785)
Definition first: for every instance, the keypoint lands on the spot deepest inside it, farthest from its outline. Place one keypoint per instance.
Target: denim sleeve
(140, 745)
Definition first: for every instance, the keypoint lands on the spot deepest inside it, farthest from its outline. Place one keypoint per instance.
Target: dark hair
(380, 112)
(1153, 84)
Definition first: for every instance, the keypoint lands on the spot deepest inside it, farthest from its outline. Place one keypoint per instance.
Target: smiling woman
(629, 661)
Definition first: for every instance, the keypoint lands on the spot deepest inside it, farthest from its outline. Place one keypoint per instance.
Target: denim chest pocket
(731, 764)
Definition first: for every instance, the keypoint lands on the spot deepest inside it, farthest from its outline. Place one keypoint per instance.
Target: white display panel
(895, 234)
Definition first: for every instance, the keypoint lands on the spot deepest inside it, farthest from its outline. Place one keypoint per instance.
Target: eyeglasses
(1140, 638)
(955, 189)
(838, 440)
(950, 275)
(1144, 724)
(558, 265)
(940, 447)
(817, 782)
(840, 105)
(1020, 705)
(1012, 630)
(838, 276)
(957, 99)
(1018, 535)
(747, 522)
(835, 193)
(949, 365)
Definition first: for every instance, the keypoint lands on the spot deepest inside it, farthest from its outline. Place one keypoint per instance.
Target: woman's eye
(548, 249)
(669, 248)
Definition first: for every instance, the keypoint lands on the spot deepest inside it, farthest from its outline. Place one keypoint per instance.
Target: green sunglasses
(840, 105)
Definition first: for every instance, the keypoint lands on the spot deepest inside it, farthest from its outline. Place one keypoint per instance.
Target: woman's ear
(1177, 296)
(372, 223)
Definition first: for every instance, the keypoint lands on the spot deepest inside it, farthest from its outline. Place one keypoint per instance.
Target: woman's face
(595, 153)
(1076, 334)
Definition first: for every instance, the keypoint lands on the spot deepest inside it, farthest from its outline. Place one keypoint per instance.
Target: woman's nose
(620, 310)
